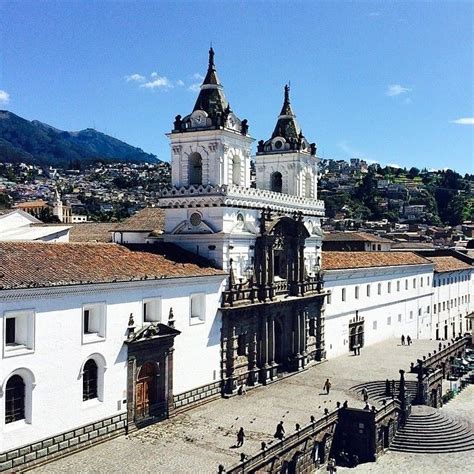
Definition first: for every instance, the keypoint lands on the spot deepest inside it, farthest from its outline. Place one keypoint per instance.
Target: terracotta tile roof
(149, 219)
(29, 204)
(448, 264)
(343, 260)
(90, 232)
(353, 236)
(41, 264)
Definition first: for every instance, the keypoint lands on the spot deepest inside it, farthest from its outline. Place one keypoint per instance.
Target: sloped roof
(353, 237)
(347, 260)
(286, 126)
(149, 219)
(90, 232)
(41, 264)
(448, 264)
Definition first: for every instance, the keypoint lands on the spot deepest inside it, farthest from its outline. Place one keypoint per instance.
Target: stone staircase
(376, 389)
(428, 431)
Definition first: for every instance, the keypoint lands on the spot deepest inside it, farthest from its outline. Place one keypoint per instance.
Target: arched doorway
(195, 169)
(236, 170)
(276, 183)
(146, 393)
(352, 338)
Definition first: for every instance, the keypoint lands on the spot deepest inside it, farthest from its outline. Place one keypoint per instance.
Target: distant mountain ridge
(39, 143)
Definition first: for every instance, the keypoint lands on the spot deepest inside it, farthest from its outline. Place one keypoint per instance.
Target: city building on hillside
(355, 241)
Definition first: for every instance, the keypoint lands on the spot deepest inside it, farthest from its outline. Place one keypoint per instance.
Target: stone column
(269, 293)
(264, 367)
(253, 369)
(271, 347)
(231, 385)
(301, 269)
(131, 377)
(320, 350)
(169, 380)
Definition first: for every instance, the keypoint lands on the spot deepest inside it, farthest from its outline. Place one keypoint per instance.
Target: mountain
(36, 142)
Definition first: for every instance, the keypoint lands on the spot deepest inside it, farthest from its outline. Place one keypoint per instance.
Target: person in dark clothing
(403, 339)
(280, 431)
(240, 437)
(327, 386)
(409, 340)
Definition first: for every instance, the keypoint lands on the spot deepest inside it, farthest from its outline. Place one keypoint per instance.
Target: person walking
(280, 431)
(240, 437)
(365, 394)
(327, 386)
(403, 339)
(409, 340)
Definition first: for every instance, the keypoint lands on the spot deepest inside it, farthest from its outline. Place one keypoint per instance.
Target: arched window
(236, 170)
(195, 169)
(276, 182)
(15, 399)
(89, 380)
(308, 191)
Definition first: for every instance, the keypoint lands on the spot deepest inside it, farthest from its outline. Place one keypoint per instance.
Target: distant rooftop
(149, 219)
(353, 237)
(348, 260)
(449, 264)
(90, 232)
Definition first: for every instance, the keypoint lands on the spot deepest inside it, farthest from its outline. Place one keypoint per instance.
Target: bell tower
(287, 162)
(210, 146)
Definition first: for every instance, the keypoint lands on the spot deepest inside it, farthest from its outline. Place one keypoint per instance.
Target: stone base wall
(45, 450)
(197, 395)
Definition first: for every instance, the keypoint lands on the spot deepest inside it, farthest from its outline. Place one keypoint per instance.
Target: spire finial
(211, 57)
(287, 93)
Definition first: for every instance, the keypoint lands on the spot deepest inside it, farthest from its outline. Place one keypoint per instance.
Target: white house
(97, 338)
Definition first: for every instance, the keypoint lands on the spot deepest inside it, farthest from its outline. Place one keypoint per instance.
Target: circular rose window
(195, 219)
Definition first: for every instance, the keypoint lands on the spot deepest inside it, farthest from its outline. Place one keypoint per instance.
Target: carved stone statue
(178, 124)
(260, 146)
(244, 127)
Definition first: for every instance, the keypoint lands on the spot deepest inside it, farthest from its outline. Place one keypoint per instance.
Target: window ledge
(16, 425)
(195, 320)
(89, 404)
(89, 338)
(16, 349)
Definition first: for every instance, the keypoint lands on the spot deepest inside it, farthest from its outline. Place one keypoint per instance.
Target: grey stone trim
(63, 443)
(198, 394)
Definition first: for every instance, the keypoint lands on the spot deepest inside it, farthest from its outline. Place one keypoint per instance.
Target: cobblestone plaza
(201, 439)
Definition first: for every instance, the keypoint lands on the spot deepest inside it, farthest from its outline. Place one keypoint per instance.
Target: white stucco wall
(412, 304)
(59, 352)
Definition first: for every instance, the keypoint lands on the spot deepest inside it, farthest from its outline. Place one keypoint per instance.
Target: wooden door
(145, 390)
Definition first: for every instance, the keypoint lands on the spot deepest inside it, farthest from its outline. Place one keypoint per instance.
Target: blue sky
(384, 81)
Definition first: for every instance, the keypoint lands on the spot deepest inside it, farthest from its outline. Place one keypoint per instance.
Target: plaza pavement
(202, 438)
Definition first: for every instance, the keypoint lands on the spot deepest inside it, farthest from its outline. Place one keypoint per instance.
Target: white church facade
(106, 338)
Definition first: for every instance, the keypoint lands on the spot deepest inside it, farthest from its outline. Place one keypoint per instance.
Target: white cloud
(179, 82)
(135, 78)
(198, 76)
(4, 97)
(195, 87)
(459, 121)
(397, 89)
(157, 82)
(394, 165)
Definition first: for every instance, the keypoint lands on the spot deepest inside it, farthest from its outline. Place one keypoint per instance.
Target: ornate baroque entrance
(150, 374)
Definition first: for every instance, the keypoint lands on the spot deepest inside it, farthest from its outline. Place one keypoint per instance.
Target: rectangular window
(434, 308)
(419, 311)
(368, 290)
(389, 321)
(411, 314)
(356, 292)
(343, 294)
(93, 322)
(428, 309)
(18, 332)
(241, 345)
(312, 326)
(399, 318)
(374, 325)
(198, 308)
(152, 310)
(328, 300)
(398, 285)
(428, 281)
(421, 282)
(389, 287)
(10, 331)
(379, 288)
(414, 282)
(444, 305)
(406, 284)
(439, 307)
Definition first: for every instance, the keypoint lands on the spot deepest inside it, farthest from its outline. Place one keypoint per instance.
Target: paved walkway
(202, 438)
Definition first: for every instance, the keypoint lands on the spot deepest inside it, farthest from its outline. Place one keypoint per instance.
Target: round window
(195, 219)
(278, 144)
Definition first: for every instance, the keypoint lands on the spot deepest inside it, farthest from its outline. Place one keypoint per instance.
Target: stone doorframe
(152, 344)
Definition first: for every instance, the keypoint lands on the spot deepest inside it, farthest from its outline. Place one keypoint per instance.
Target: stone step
(466, 435)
